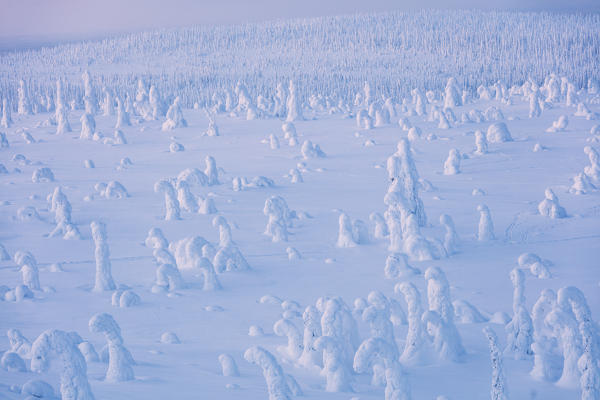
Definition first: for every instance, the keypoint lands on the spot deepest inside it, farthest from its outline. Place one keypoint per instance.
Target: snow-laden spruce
(275, 378)
(228, 365)
(547, 363)
(276, 209)
(485, 231)
(174, 117)
(119, 358)
(452, 164)
(29, 269)
(122, 115)
(520, 328)
(6, 120)
(481, 143)
(173, 211)
(498, 133)
(447, 340)
(104, 280)
(397, 267)
(285, 327)
(498, 389)
(56, 344)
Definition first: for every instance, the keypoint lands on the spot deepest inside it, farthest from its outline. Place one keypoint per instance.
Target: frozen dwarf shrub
(485, 230)
(467, 313)
(169, 338)
(397, 267)
(175, 147)
(174, 117)
(125, 298)
(119, 358)
(414, 133)
(230, 258)
(295, 176)
(27, 214)
(345, 236)
(273, 142)
(29, 269)
(187, 251)
(171, 202)
(564, 327)
(380, 231)
(228, 365)
(89, 352)
(211, 171)
(559, 125)
(12, 362)
(53, 344)
(27, 137)
(293, 254)
(549, 207)
(168, 279)
(225, 237)
(310, 357)
(119, 137)
(336, 366)
(310, 150)
(37, 389)
(104, 280)
(275, 378)
(285, 327)
(451, 239)
(4, 256)
(498, 133)
(592, 170)
(582, 184)
(481, 143)
(156, 239)
(43, 174)
(443, 121)
(498, 389)
(452, 164)
(193, 176)
(88, 126)
(156, 104)
(185, 197)
(289, 131)
(360, 231)
(122, 115)
(3, 141)
(18, 343)
(6, 120)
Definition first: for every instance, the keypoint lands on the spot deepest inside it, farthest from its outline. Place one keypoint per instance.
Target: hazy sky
(57, 18)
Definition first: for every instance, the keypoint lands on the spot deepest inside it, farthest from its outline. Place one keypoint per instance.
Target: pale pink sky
(54, 18)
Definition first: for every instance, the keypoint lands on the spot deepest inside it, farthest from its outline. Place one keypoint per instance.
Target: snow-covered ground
(351, 177)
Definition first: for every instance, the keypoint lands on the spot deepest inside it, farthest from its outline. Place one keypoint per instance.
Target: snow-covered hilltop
(329, 56)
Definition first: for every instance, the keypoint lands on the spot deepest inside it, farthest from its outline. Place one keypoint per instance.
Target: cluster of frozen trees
(73, 354)
(330, 343)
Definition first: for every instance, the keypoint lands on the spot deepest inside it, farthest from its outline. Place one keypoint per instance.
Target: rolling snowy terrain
(361, 236)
